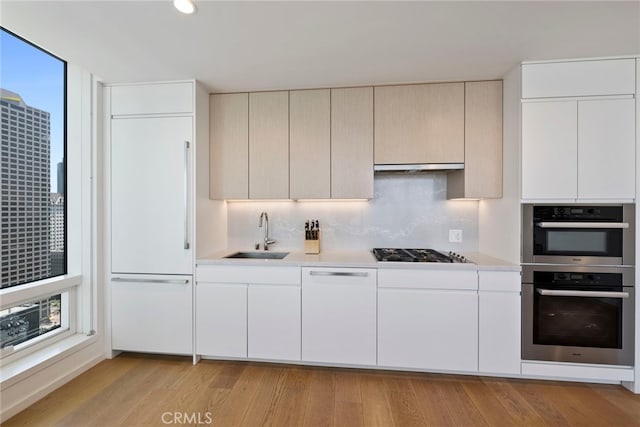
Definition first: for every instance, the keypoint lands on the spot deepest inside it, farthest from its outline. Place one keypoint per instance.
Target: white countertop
(355, 259)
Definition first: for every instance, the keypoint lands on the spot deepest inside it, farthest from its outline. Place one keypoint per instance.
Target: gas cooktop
(416, 255)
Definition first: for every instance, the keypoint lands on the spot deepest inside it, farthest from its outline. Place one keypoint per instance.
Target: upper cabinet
(352, 143)
(310, 144)
(419, 123)
(269, 145)
(156, 98)
(229, 128)
(576, 146)
(482, 173)
(303, 144)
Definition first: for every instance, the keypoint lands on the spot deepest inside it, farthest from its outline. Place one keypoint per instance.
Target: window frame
(76, 291)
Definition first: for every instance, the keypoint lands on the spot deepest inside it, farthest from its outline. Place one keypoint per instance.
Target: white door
(428, 329)
(221, 319)
(152, 314)
(274, 322)
(549, 150)
(339, 316)
(150, 164)
(606, 149)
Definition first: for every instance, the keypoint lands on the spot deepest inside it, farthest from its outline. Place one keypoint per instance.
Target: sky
(38, 78)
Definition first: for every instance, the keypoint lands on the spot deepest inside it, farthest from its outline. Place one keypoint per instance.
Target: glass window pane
(32, 170)
(25, 322)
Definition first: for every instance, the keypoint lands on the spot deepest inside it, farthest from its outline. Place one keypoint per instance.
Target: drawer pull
(339, 273)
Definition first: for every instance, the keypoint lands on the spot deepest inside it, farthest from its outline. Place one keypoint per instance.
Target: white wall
(499, 219)
(407, 211)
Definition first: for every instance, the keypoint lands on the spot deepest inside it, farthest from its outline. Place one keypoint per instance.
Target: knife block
(312, 247)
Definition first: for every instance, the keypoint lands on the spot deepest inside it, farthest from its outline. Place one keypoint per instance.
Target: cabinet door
(549, 150)
(352, 143)
(229, 146)
(269, 145)
(221, 319)
(310, 144)
(153, 316)
(155, 98)
(150, 163)
(499, 332)
(606, 149)
(428, 329)
(274, 322)
(419, 123)
(339, 316)
(482, 174)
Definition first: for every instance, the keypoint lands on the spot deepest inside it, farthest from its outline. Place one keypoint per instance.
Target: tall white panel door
(221, 319)
(606, 149)
(274, 322)
(150, 185)
(549, 150)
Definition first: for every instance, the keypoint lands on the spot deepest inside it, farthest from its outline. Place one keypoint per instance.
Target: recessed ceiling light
(185, 6)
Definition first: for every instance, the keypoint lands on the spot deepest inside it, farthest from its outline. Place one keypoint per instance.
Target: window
(33, 192)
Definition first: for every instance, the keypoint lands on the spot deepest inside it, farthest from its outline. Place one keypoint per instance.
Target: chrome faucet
(267, 241)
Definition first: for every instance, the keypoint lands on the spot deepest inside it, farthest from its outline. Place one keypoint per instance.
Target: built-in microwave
(578, 234)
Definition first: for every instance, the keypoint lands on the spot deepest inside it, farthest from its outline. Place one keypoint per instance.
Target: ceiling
(246, 46)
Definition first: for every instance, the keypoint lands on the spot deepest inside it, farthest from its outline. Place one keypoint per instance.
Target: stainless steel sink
(258, 255)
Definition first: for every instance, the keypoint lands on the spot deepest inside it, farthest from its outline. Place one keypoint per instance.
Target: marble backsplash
(407, 211)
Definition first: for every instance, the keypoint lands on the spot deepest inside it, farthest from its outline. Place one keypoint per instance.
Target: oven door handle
(587, 294)
(582, 224)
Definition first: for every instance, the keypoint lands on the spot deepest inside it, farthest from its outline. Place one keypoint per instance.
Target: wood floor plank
(321, 400)
(375, 405)
(136, 390)
(263, 408)
(403, 402)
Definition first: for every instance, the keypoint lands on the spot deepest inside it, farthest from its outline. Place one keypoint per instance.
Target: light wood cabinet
(229, 146)
(482, 173)
(310, 144)
(419, 123)
(269, 145)
(352, 143)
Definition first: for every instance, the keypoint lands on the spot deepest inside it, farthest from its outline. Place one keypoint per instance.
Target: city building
(24, 190)
(57, 232)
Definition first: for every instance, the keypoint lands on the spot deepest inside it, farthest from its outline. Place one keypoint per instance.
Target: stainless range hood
(418, 167)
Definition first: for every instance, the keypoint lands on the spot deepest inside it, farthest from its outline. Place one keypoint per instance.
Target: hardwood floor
(139, 390)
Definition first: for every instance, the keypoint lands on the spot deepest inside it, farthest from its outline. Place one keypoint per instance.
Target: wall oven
(578, 234)
(578, 314)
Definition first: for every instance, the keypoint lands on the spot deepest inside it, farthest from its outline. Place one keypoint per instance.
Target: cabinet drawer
(248, 274)
(578, 78)
(157, 98)
(428, 279)
(499, 281)
(329, 276)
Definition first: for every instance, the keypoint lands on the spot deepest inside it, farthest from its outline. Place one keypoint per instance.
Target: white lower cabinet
(152, 314)
(252, 312)
(339, 315)
(428, 319)
(221, 319)
(500, 322)
(274, 322)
